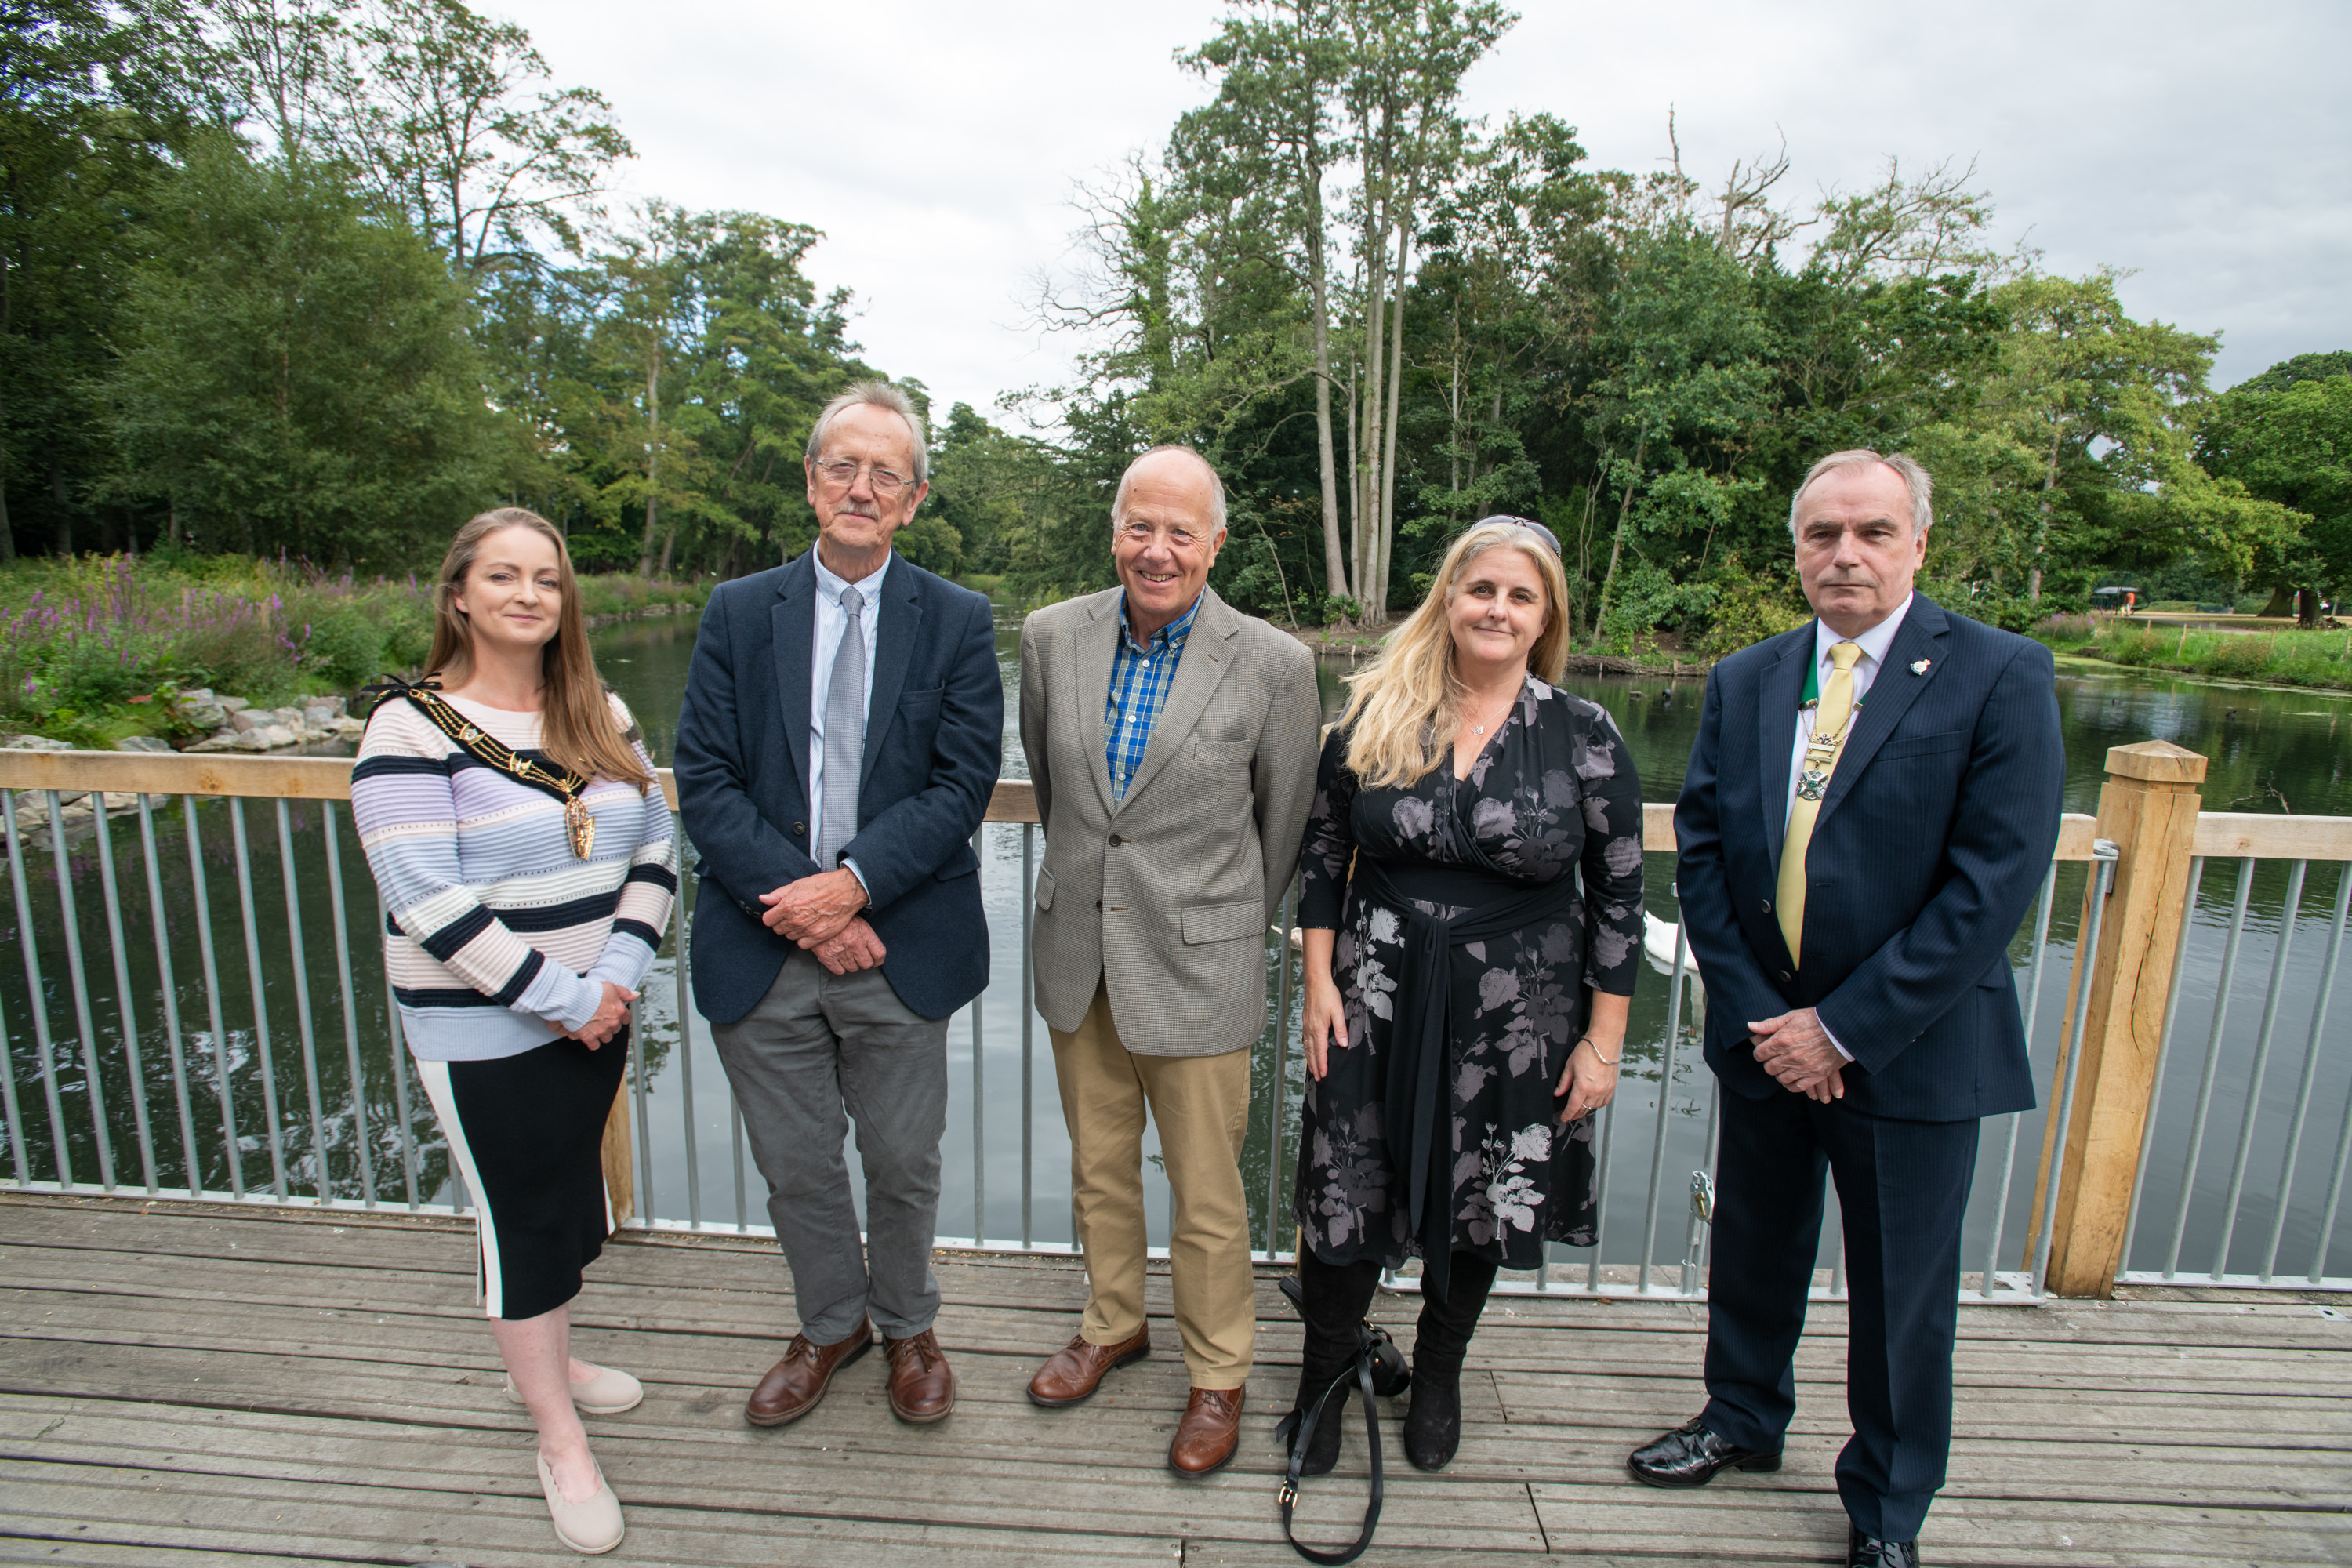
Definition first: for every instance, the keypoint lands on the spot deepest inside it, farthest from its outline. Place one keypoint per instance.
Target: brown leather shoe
(1072, 1373)
(1209, 1432)
(922, 1386)
(795, 1383)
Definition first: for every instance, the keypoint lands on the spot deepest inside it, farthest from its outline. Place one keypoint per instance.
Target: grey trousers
(820, 1051)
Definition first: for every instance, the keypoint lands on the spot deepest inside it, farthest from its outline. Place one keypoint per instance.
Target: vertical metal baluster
(351, 1005)
(979, 1102)
(1701, 1224)
(1285, 912)
(645, 1131)
(79, 981)
(1837, 1265)
(735, 1123)
(2163, 1058)
(397, 1035)
(44, 1047)
(2008, 1144)
(213, 1000)
(324, 1187)
(1028, 1022)
(686, 1107)
(16, 1124)
(2213, 1066)
(260, 1003)
(1665, 1092)
(2334, 1190)
(133, 1065)
(2244, 1158)
(2310, 1069)
(2102, 882)
(1599, 1194)
(189, 1158)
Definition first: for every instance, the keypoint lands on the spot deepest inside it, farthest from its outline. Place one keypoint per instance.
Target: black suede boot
(1335, 1298)
(1433, 1426)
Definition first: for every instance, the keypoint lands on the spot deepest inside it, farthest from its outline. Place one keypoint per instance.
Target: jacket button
(1786, 977)
(799, 828)
(1766, 903)
(1114, 838)
(1097, 906)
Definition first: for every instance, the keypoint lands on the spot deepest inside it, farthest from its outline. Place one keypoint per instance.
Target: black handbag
(1378, 1371)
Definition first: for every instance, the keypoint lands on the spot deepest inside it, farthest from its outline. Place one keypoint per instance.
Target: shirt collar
(1876, 643)
(1172, 635)
(830, 583)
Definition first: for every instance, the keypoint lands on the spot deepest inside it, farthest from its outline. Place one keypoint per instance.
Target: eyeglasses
(841, 474)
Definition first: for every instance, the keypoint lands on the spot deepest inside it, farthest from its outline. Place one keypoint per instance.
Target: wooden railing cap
(2156, 761)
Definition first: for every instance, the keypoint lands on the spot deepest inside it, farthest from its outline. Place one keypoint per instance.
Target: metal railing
(336, 1124)
(2182, 1176)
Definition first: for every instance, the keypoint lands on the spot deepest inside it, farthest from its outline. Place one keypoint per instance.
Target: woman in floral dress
(1466, 999)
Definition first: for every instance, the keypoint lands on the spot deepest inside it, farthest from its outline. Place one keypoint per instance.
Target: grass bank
(93, 649)
(2281, 658)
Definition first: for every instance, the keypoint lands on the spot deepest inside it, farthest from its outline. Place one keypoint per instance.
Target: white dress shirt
(1875, 644)
(831, 620)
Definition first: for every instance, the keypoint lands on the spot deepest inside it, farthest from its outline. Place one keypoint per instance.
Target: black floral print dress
(1554, 793)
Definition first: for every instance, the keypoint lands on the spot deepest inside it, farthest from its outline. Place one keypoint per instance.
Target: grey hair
(881, 395)
(1217, 485)
(1915, 483)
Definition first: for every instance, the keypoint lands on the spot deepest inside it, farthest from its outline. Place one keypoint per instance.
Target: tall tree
(2286, 437)
(295, 376)
(448, 121)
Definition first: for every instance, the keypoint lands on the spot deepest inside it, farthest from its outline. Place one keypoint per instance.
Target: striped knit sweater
(495, 930)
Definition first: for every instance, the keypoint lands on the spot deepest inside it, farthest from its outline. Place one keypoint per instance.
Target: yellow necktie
(1820, 761)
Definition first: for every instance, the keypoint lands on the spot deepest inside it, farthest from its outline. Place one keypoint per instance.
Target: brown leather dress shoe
(1072, 1373)
(795, 1383)
(922, 1386)
(1209, 1432)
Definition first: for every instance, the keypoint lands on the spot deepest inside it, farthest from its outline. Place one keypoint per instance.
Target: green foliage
(295, 377)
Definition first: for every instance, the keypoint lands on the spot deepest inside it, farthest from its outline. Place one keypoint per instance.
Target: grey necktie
(845, 735)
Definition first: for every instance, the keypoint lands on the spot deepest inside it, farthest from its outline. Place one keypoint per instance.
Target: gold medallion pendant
(583, 827)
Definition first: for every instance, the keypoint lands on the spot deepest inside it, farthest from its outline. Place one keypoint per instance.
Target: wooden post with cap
(2148, 809)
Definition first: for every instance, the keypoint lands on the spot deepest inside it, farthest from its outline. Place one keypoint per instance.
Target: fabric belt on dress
(1420, 1100)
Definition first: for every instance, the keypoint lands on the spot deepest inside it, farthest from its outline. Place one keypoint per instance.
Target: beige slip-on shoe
(592, 1527)
(608, 1392)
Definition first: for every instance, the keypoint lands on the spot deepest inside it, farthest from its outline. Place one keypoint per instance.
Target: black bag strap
(1298, 1428)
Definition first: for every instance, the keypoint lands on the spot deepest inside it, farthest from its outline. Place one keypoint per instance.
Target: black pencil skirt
(527, 1134)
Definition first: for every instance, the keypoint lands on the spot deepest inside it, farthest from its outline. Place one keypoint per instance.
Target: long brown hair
(577, 730)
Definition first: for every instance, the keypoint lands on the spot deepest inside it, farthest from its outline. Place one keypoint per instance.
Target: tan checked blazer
(1168, 897)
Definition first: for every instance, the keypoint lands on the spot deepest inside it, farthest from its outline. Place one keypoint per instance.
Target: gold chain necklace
(565, 785)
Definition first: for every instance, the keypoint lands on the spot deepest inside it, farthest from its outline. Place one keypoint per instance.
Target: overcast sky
(2206, 149)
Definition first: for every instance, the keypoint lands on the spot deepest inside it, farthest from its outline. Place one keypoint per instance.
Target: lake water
(2271, 750)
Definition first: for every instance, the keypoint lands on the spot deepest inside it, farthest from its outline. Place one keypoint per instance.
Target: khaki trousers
(1201, 1105)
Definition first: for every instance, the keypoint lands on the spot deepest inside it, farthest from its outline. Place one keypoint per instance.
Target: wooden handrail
(2221, 834)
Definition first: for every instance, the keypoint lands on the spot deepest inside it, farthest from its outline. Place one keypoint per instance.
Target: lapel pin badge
(1919, 665)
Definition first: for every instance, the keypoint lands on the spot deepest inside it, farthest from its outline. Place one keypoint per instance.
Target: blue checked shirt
(1141, 675)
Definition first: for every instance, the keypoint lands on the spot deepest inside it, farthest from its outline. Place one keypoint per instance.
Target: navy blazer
(1931, 846)
(934, 741)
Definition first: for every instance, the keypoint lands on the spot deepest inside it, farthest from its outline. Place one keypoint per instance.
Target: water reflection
(2270, 751)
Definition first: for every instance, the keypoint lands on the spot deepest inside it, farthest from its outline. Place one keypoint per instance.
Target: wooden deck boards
(208, 1385)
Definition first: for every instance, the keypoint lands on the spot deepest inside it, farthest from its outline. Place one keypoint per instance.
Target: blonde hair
(1404, 707)
(577, 730)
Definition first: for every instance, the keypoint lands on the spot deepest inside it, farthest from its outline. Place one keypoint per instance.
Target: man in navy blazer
(842, 727)
(1861, 1013)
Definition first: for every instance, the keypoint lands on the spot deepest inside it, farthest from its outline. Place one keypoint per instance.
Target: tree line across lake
(318, 279)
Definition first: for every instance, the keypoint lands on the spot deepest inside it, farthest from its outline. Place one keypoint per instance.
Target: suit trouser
(1903, 1188)
(820, 1051)
(1201, 1105)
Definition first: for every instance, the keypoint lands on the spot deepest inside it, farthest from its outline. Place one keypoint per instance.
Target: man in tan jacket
(1173, 741)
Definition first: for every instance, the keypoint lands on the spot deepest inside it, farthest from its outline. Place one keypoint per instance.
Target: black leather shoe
(1690, 1455)
(1869, 1551)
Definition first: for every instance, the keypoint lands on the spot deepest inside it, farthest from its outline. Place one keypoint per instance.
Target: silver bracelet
(1605, 1061)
